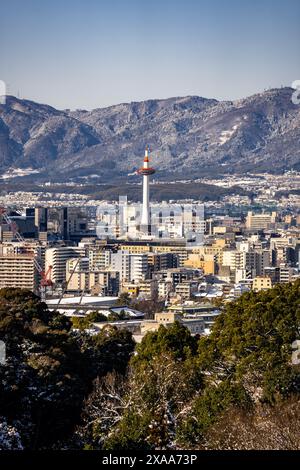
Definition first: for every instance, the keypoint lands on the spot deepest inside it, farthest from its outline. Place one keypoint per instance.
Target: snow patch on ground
(17, 172)
(226, 135)
(19, 107)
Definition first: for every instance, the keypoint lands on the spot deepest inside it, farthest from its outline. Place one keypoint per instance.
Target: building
(18, 271)
(251, 262)
(147, 289)
(132, 267)
(206, 263)
(66, 223)
(215, 248)
(57, 222)
(273, 273)
(260, 221)
(193, 308)
(234, 259)
(41, 219)
(104, 283)
(162, 261)
(130, 288)
(261, 283)
(57, 257)
(177, 275)
(164, 289)
(186, 289)
(285, 274)
(77, 274)
(99, 258)
(195, 325)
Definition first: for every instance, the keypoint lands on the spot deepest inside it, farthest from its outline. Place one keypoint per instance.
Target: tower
(146, 171)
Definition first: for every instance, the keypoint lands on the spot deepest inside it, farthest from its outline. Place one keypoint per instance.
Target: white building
(131, 266)
(57, 257)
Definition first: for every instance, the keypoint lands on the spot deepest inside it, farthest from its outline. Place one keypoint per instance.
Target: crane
(67, 283)
(45, 276)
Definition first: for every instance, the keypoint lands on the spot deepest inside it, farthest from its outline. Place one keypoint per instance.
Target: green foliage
(80, 323)
(206, 409)
(124, 299)
(111, 349)
(175, 339)
(49, 370)
(177, 387)
(130, 433)
(114, 316)
(83, 323)
(252, 339)
(95, 317)
(164, 377)
(183, 386)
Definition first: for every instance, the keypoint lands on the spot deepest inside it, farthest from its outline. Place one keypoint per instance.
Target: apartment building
(164, 288)
(161, 261)
(106, 282)
(186, 289)
(77, 274)
(285, 274)
(132, 267)
(57, 257)
(18, 270)
(99, 259)
(207, 263)
(147, 289)
(177, 275)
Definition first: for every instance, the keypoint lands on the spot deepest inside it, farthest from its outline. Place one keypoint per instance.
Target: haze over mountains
(189, 137)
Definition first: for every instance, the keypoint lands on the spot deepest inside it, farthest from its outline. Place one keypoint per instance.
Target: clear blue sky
(94, 53)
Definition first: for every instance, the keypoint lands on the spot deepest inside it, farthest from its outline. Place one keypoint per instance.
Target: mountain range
(189, 137)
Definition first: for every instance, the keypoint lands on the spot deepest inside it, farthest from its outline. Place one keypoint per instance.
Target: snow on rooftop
(84, 301)
(128, 311)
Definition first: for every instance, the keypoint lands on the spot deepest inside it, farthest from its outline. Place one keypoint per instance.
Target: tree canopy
(49, 369)
(61, 387)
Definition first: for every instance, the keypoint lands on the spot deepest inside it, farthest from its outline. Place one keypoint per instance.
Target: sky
(84, 54)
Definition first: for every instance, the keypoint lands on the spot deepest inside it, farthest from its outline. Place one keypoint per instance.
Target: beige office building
(261, 283)
(260, 221)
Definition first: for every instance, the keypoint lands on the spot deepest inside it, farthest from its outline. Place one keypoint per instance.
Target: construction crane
(45, 276)
(67, 283)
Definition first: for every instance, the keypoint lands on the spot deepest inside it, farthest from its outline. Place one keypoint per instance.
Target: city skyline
(149, 230)
(95, 54)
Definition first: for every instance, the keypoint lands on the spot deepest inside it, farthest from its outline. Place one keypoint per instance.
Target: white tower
(146, 171)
